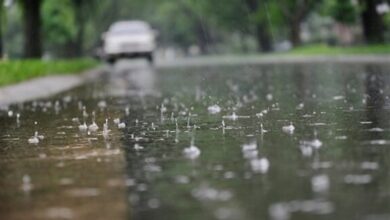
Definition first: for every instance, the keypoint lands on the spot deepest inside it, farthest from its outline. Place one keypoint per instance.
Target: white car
(128, 39)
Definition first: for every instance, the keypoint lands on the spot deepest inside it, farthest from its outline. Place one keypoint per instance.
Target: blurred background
(73, 28)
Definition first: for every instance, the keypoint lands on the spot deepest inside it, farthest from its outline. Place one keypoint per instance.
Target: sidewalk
(44, 86)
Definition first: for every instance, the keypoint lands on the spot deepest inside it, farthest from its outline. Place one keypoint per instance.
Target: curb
(45, 86)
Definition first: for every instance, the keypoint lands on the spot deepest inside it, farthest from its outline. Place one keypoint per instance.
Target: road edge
(275, 59)
(46, 86)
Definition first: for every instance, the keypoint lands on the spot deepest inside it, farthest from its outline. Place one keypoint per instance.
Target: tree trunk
(295, 34)
(80, 22)
(372, 22)
(261, 30)
(263, 38)
(202, 32)
(1, 28)
(202, 37)
(32, 28)
(1, 35)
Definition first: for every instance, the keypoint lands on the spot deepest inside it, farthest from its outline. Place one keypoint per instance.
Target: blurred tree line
(73, 28)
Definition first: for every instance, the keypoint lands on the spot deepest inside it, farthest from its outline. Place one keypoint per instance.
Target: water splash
(289, 129)
(214, 109)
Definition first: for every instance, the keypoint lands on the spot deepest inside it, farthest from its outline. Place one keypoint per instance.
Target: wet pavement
(253, 141)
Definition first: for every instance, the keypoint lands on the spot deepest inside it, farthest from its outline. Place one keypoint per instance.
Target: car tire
(111, 61)
(149, 57)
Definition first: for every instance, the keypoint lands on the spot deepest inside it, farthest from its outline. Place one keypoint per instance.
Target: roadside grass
(13, 71)
(323, 49)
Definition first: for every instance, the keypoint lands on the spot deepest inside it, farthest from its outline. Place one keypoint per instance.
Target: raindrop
(376, 130)
(102, 104)
(279, 211)
(300, 106)
(366, 165)
(191, 152)
(259, 115)
(153, 127)
(214, 109)
(206, 193)
(83, 127)
(121, 125)
(233, 116)
(26, 183)
(85, 114)
(116, 121)
(34, 139)
(269, 97)
(106, 131)
(262, 130)
(320, 183)
(93, 127)
(251, 146)
(18, 118)
(138, 147)
(306, 150)
(357, 179)
(289, 129)
(182, 179)
(188, 120)
(260, 165)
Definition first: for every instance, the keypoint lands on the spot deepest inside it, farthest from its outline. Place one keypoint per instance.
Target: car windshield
(129, 28)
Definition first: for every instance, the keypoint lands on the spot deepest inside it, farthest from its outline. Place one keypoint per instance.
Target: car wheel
(149, 57)
(111, 60)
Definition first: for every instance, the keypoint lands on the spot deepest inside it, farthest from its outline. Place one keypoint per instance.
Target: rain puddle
(205, 142)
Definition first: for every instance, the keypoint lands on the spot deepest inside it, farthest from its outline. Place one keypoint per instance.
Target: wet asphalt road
(239, 141)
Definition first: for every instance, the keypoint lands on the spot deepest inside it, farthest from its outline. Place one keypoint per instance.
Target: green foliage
(175, 25)
(19, 70)
(322, 49)
(343, 11)
(219, 24)
(59, 23)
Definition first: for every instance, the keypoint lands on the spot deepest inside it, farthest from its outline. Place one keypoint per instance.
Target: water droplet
(289, 129)
(191, 152)
(320, 183)
(214, 109)
(260, 165)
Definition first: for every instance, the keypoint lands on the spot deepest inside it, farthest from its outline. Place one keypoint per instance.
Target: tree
(59, 28)
(32, 28)
(343, 11)
(1, 28)
(256, 8)
(83, 11)
(180, 23)
(296, 11)
(80, 25)
(200, 27)
(229, 21)
(372, 22)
